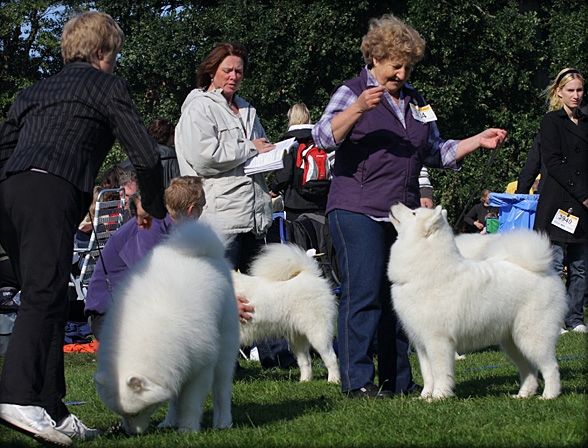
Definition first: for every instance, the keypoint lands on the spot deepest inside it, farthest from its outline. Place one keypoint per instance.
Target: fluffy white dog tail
(196, 239)
(526, 248)
(281, 262)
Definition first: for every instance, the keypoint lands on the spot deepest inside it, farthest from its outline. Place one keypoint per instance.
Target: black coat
(564, 151)
(169, 160)
(284, 180)
(533, 166)
(67, 123)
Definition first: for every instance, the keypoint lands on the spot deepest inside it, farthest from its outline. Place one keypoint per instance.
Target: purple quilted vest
(379, 162)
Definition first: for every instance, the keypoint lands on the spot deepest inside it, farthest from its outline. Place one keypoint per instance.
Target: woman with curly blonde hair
(384, 133)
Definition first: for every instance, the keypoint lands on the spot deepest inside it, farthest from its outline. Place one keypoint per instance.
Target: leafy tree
(566, 32)
(29, 44)
(478, 72)
(160, 55)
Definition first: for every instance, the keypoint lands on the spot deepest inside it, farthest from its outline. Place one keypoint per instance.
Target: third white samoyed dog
(292, 300)
(172, 334)
(447, 302)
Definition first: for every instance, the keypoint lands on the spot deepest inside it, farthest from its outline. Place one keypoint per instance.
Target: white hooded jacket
(214, 143)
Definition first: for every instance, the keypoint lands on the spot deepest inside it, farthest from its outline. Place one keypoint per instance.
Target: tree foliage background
(486, 62)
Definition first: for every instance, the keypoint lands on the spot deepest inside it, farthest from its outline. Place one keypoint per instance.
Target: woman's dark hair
(133, 199)
(111, 177)
(209, 65)
(161, 129)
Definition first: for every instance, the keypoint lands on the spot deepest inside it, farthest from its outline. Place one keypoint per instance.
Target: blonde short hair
(554, 102)
(89, 32)
(298, 114)
(389, 37)
(183, 192)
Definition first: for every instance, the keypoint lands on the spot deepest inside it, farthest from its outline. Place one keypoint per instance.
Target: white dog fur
(172, 334)
(447, 302)
(292, 300)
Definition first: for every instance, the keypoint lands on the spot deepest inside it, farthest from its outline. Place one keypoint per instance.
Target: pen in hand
(263, 145)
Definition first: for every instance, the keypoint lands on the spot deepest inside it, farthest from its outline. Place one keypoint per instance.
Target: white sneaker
(580, 328)
(562, 331)
(33, 421)
(73, 427)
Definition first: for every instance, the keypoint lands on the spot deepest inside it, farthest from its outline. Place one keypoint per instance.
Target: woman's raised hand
(370, 98)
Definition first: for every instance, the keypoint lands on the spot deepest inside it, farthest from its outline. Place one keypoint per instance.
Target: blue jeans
(575, 256)
(363, 246)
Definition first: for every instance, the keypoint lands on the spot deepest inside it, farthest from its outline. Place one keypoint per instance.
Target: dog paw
(441, 395)
(522, 396)
(548, 397)
(335, 379)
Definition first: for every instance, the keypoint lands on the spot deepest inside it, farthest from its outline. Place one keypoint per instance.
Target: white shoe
(580, 328)
(562, 331)
(33, 421)
(73, 427)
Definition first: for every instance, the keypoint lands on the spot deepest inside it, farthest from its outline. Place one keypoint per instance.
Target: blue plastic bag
(516, 210)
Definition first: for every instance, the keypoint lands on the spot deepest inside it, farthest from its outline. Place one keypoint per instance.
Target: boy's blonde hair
(183, 192)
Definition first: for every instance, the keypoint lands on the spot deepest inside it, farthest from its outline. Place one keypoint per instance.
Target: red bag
(313, 171)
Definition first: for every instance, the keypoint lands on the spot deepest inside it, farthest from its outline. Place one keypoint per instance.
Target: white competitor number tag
(565, 221)
(423, 114)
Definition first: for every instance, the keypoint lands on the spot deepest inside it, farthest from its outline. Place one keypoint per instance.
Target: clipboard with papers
(271, 160)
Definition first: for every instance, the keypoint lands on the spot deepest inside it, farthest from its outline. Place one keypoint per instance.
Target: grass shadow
(254, 415)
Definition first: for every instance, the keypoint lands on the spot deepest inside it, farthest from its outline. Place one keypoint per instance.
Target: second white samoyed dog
(447, 302)
(172, 335)
(292, 300)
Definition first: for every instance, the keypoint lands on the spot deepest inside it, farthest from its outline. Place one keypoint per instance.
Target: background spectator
(475, 219)
(564, 191)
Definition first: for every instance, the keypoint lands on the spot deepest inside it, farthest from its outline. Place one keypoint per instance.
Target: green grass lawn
(270, 408)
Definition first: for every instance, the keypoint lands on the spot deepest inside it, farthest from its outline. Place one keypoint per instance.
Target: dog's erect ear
(137, 382)
(434, 220)
(141, 385)
(444, 213)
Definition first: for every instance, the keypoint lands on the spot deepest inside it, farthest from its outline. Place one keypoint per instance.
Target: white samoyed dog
(447, 302)
(172, 334)
(292, 300)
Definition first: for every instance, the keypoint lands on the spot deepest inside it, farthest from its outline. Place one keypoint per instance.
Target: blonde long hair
(554, 102)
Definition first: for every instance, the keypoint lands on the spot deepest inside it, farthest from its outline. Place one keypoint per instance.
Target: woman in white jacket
(217, 133)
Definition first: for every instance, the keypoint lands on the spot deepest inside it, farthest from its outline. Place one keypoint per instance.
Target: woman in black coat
(562, 211)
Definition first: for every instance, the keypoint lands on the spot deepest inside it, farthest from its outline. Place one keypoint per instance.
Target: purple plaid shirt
(322, 132)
